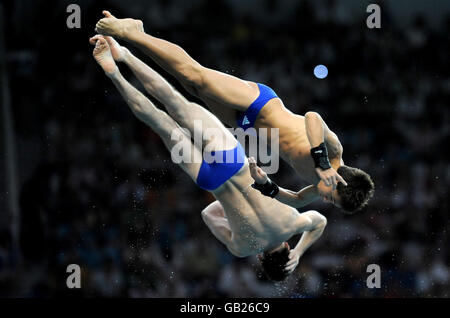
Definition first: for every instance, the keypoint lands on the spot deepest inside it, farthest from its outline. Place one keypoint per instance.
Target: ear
(286, 244)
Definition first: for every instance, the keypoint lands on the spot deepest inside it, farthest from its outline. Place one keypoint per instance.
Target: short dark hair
(273, 264)
(358, 191)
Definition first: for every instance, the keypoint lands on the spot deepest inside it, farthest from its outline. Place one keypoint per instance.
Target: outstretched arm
(298, 199)
(311, 224)
(294, 199)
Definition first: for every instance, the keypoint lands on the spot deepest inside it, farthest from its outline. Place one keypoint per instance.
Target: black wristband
(320, 156)
(269, 188)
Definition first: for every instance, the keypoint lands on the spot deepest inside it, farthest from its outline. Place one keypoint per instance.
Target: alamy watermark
(374, 279)
(74, 279)
(74, 19)
(374, 19)
(263, 145)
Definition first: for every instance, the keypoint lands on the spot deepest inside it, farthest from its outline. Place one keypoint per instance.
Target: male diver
(306, 142)
(243, 219)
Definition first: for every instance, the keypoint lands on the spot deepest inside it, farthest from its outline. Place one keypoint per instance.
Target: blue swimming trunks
(213, 175)
(247, 119)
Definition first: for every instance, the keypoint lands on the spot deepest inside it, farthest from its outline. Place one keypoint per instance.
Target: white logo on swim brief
(245, 121)
(318, 151)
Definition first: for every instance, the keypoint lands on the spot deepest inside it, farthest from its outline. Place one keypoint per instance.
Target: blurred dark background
(95, 187)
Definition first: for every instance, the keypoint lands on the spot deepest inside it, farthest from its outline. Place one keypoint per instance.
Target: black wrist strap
(320, 156)
(269, 188)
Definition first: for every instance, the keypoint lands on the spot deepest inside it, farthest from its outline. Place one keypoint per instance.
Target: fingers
(290, 269)
(252, 163)
(333, 181)
(290, 266)
(290, 262)
(340, 179)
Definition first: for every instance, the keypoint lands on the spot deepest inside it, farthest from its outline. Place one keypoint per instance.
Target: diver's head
(274, 261)
(358, 191)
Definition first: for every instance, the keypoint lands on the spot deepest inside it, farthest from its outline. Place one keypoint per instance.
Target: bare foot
(118, 52)
(102, 54)
(118, 28)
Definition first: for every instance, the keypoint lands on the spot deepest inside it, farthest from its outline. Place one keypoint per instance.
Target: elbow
(205, 216)
(319, 219)
(323, 221)
(238, 254)
(312, 118)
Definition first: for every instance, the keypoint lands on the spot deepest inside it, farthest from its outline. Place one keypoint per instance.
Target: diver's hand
(256, 172)
(330, 177)
(294, 257)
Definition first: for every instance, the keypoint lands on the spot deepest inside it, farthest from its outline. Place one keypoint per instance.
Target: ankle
(126, 54)
(130, 34)
(113, 74)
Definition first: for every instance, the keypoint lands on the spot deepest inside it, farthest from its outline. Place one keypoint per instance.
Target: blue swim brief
(247, 119)
(213, 175)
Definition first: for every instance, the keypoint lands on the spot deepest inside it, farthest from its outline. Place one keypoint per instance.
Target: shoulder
(237, 249)
(237, 252)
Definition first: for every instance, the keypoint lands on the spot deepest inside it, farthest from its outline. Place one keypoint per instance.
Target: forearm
(152, 81)
(315, 129)
(168, 55)
(318, 223)
(269, 188)
(297, 199)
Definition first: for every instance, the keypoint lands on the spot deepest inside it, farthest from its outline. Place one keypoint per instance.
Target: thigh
(226, 114)
(203, 124)
(183, 151)
(227, 90)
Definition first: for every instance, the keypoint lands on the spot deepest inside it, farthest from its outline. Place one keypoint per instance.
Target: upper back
(257, 221)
